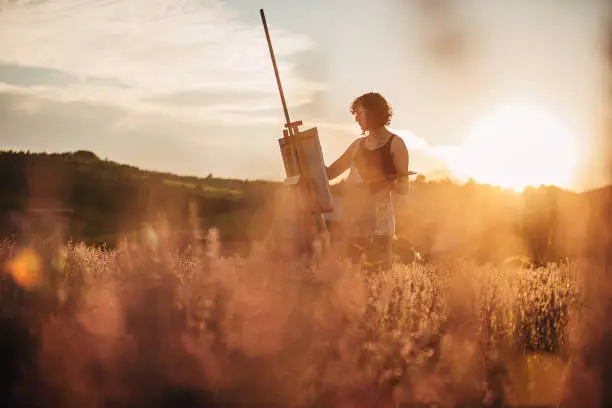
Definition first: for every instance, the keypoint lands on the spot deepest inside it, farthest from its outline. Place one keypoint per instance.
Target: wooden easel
(304, 166)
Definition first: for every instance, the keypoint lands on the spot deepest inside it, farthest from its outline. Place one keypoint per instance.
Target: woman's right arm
(342, 164)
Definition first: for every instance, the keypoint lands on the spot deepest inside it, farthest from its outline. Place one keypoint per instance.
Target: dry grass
(149, 325)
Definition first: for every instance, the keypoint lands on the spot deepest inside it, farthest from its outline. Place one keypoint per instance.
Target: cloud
(149, 141)
(432, 160)
(27, 121)
(82, 51)
(208, 97)
(27, 76)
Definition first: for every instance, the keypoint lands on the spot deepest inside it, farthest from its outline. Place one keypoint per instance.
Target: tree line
(100, 200)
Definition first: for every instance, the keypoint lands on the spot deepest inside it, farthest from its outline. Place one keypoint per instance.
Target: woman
(378, 164)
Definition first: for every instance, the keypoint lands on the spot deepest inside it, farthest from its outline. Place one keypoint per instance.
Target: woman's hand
(401, 185)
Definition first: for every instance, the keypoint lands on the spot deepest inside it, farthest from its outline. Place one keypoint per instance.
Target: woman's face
(361, 115)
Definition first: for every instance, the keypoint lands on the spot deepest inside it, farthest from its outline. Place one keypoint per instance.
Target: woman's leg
(355, 247)
(380, 253)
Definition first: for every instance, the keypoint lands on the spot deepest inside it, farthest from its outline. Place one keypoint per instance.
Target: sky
(188, 86)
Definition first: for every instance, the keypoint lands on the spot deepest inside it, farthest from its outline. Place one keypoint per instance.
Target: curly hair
(379, 110)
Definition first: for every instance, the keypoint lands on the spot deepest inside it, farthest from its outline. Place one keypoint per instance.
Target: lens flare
(26, 268)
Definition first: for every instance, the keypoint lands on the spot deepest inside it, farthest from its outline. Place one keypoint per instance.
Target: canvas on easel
(310, 156)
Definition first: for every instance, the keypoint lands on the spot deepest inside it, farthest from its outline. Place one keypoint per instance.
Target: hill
(100, 200)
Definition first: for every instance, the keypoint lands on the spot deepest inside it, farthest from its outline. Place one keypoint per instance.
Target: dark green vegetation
(106, 200)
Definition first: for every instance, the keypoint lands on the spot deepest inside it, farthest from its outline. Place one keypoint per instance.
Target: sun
(517, 146)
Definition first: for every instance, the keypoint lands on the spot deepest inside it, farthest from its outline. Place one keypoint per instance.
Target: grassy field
(148, 325)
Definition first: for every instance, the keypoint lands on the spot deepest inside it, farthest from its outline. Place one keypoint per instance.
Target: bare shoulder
(355, 143)
(398, 144)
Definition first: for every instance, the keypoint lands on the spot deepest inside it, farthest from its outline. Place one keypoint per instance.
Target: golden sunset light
(306, 204)
(518, 145)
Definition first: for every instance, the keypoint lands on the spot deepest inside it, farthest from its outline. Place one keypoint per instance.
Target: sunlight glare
(518, 146)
